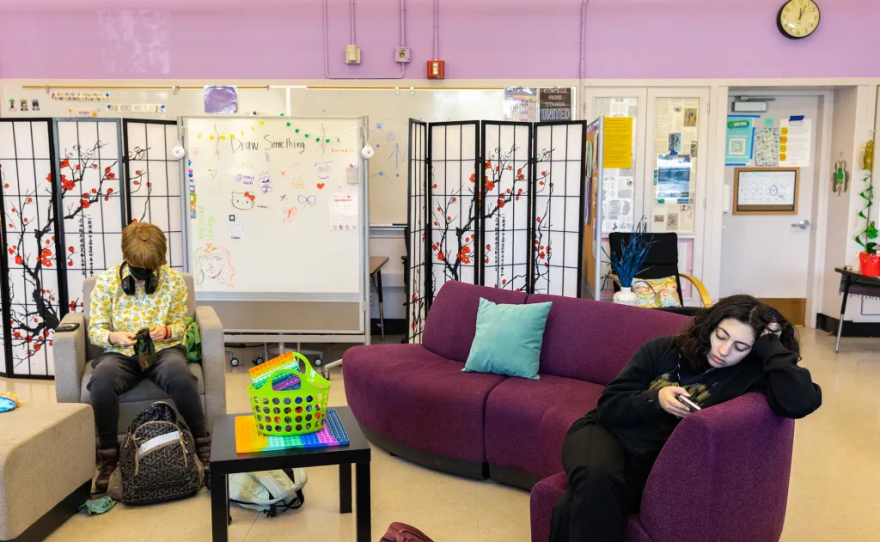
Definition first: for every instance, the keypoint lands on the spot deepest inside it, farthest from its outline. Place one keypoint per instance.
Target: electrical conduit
(352, 35)
(582, 69)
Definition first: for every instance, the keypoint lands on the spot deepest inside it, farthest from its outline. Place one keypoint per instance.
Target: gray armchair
(72, 351)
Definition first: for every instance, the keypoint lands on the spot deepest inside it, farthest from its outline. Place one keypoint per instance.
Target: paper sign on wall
(221, 99)
(82, 112)
(343, 212)
(555, 104)
(767, 147)
(617, 152)
(740, 133)
(521, 104)
(136, 108)
(795, 142)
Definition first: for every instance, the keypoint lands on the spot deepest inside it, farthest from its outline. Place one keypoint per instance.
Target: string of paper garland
(866, 237)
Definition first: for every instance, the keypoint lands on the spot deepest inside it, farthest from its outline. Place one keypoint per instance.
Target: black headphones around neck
(129, 283)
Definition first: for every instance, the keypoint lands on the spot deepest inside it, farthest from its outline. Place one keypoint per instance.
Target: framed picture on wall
(765, 191)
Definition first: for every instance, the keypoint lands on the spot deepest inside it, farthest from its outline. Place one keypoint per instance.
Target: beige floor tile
(833, 494)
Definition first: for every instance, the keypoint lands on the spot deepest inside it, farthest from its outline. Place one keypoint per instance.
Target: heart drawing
(320, 186)
(213, 172)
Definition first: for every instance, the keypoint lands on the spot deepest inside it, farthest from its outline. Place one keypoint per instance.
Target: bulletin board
(676, 123)
(766, 191)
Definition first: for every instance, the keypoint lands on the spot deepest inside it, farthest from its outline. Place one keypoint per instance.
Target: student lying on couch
(737, 346)
(140, 293)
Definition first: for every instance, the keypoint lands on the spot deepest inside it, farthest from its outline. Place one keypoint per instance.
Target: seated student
(156, 300)
(737, 346)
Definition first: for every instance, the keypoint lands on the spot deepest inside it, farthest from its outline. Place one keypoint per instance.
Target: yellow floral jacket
(112, 310)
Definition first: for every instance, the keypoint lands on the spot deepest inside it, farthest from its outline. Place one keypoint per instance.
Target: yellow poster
(617, 152)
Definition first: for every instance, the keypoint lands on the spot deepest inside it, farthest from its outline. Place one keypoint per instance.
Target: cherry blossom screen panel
(506, 185)
(32, 289)
(89, 154)
(559, 185)
(417, 211)
(453, 235)
(153, 181)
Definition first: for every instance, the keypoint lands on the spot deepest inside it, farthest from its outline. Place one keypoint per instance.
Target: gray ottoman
(47, 461)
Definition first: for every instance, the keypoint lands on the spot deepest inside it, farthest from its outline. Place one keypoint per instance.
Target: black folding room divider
(64, 206)
(494, 203)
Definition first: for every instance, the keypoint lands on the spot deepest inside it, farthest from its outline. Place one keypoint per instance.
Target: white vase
(626, 296)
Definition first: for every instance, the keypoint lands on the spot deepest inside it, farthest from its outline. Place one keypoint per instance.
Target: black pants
(115, 374)
(605, 486)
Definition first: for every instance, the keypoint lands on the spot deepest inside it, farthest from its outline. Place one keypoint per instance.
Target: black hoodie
(630, 408)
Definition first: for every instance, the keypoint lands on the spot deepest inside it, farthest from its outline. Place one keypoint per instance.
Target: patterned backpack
(158, 459)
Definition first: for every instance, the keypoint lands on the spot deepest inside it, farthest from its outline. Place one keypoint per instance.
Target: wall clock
(797, 19)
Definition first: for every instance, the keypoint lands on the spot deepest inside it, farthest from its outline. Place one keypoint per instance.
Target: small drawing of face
(213, 263)
(243, 201)
(323, 169)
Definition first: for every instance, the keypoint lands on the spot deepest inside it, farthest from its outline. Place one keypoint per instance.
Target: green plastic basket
(291, 412)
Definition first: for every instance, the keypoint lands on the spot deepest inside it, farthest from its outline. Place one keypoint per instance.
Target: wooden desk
(851, 278)
(376, 264)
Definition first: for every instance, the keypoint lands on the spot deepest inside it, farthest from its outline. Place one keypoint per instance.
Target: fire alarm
(435, 69)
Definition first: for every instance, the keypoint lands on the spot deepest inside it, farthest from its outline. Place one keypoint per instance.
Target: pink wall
(511, 39)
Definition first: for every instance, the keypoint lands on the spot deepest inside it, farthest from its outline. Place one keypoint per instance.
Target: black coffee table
(224, 461)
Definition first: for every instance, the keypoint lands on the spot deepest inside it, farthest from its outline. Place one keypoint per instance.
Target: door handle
(803, 224)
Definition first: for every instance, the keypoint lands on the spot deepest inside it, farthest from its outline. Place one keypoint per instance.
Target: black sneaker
(108, 461)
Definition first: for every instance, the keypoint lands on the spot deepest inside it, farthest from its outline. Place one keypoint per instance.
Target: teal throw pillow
(508, 339)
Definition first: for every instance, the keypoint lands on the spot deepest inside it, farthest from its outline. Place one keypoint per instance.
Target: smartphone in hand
(692, 406)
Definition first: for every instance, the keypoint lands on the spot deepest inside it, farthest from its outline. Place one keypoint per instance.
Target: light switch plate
(352, 54)
(401, 55)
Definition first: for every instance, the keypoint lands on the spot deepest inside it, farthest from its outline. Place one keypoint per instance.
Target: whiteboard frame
(360, 335)
(766, 209)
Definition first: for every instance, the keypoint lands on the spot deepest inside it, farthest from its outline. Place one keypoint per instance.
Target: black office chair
(662, 261)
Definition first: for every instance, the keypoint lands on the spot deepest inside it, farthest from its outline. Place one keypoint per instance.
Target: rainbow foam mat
(249, 440)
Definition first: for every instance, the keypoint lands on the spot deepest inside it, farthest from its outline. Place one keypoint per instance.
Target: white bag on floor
(268, 491)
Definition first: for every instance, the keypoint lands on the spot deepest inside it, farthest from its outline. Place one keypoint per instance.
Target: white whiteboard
(260, 207)
(389, 113)
(767, 188)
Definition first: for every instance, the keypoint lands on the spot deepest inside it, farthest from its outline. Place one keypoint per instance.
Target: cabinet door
(675, 163)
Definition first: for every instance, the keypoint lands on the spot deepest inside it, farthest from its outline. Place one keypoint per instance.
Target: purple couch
(414, 401)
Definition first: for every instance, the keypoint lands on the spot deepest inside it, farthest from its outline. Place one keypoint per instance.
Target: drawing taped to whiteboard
(213, 263)
(236, 229)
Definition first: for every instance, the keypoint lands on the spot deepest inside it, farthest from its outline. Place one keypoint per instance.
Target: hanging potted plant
(629, 262)
(869, 260)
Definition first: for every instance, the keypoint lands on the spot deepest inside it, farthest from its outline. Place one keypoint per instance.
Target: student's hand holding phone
(122, 338)
(670, 403)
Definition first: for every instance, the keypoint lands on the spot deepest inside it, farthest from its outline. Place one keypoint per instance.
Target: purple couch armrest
(732, 462)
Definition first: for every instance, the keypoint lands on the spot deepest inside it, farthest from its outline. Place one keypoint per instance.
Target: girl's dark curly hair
(694, 342)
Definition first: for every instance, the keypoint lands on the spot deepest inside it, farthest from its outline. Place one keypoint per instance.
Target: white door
(675, 173)
(768, 256)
